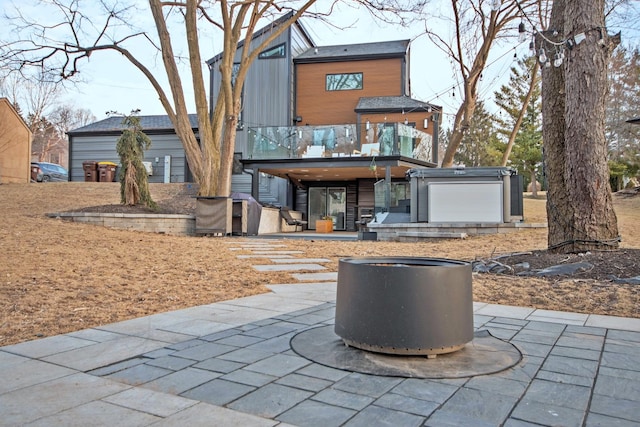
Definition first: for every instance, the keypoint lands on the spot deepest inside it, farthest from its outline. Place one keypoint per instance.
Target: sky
(111, 83)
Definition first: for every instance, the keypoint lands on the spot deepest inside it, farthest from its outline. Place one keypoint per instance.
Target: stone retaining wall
(415, 231)
(180, 225)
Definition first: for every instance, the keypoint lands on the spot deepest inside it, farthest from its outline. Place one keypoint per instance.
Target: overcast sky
(113, 84)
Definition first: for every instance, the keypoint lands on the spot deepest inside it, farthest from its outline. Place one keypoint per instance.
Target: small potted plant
(324, 225)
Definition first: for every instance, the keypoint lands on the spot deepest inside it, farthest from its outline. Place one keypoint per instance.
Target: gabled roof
(354, 52)
(267, 28)
(393, 104)
(159, 124)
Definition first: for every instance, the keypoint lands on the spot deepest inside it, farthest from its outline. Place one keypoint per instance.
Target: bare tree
(477, 26)
(35, 94)
(61, 47)
(67, 117)
(579, 206)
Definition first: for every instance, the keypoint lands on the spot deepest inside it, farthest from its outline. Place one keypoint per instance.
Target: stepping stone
(299, 260)
(276, 252)
(251, 242)
(317, 277)
(273, 257)
(289, 267)
(253, 248)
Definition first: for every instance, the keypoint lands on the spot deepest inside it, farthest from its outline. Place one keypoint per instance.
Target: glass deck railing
(348, 140)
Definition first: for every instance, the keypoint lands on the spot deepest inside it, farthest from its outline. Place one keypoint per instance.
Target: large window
(347, 81)
(273, 52)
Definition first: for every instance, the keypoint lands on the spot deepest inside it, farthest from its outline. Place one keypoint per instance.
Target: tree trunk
(460, 126)
(579, 204)
(523, 111)
(226, 159)
(553, 107)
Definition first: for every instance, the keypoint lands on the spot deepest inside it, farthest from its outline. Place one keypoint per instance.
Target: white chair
(314, 151)
(369, 149)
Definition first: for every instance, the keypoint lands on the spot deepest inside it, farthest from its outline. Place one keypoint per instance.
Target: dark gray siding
(266, 100)
(269, 188)
(299, 42)
(103, 148)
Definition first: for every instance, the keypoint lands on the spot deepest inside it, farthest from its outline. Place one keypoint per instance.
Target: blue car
(48, 172)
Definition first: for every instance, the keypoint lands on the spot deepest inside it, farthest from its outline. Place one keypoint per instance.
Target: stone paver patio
(230, 363)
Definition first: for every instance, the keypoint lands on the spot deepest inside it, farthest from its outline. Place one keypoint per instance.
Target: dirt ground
(57, 277)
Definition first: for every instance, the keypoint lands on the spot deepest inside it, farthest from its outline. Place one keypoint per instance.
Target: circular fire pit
(404, 305)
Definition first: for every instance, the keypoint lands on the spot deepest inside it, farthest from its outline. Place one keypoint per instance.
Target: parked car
(48, 172)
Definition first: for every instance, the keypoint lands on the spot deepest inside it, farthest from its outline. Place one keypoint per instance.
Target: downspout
(436, 132)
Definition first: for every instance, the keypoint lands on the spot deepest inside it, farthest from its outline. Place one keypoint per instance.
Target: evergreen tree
(480, 145)
(526, 155)
(134, 186)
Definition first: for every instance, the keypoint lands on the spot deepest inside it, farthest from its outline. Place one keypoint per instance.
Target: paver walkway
(230, 363)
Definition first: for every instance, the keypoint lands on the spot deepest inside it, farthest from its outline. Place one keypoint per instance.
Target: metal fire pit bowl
(404, 305)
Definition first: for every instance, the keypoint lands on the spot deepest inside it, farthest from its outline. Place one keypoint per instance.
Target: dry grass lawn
(57, 277)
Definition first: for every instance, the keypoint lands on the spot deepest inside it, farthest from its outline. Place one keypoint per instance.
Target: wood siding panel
(317, 106)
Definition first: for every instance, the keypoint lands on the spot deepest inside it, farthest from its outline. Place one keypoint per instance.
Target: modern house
(15, 145)
(332, 128)
(324, 130)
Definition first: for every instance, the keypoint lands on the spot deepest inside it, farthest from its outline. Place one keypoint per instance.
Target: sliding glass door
(328, 201)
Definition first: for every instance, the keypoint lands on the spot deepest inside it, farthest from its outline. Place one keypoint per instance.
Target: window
(273, 52)
(347, 81)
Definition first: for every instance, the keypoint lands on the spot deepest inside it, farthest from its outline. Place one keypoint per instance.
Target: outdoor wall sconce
(297, 119)
(367, 125)
(425, 123)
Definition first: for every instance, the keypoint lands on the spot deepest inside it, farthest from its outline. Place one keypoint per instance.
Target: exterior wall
(268, 100)
(267, 89)
(15, 146)
(317, 106)
(103, 148)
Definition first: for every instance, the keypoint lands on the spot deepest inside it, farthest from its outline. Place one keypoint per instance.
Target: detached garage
(165, 160)
(15, 145)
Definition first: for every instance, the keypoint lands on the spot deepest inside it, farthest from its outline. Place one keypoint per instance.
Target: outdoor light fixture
(522, 35)
(367, 125)
(425, 123)
(558, 59)
(542, 56)
(406, 121)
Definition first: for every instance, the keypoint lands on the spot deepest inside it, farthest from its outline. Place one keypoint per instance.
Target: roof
(114, 124)
(388, 49)
(267, 28)
(392, 104)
